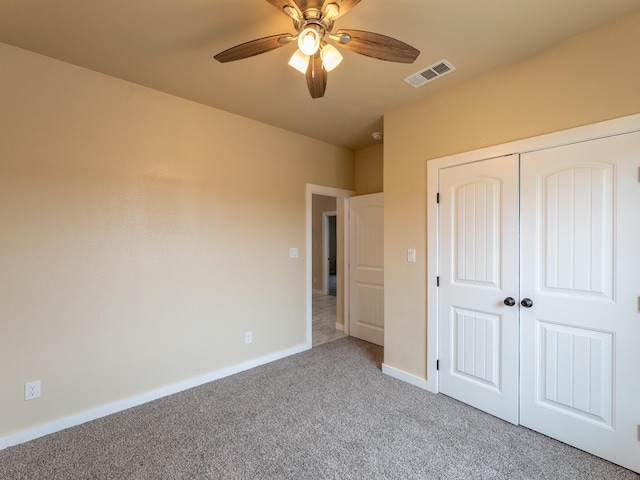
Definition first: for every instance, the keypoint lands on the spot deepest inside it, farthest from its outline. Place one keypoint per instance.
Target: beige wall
(590, 78)
(140, 236)
(368, 173)
(320, 205)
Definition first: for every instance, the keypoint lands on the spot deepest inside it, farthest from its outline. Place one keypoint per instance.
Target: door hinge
(437, 364)
(437, 281)
(437, 197)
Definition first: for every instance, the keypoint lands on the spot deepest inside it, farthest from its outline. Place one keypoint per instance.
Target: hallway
(324, 309)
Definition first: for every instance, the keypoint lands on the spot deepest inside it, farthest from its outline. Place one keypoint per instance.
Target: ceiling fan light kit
(331, 57)
(299, 61)
(309, 40)
(315, 56)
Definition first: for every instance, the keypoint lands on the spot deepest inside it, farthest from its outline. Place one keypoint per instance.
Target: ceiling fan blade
(345, 5)
(379, 46)
(254, 47)
(280, 4)
(316, 77)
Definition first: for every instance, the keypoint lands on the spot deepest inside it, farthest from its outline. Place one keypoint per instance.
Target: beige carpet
(327, 413)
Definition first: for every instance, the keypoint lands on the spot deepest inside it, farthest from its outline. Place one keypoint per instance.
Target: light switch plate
(411, 255)
(293, 252)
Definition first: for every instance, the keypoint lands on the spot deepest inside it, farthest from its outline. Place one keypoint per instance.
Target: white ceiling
(169, 45)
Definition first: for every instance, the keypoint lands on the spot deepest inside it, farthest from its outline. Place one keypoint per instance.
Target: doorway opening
(325, 324)
(330, 252)
(326, 257)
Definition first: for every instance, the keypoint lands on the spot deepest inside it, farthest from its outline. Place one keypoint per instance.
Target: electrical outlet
(32, 390)
(248, 337)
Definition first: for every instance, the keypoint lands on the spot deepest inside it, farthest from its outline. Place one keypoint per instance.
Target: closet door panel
(580, 336)
(478, 341)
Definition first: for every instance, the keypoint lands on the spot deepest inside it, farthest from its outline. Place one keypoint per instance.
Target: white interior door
(478, 332)
(366, 306)
(581, 269)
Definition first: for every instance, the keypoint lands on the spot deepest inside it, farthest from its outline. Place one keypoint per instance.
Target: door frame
(593, 131)
(325, 249)
(342, 218)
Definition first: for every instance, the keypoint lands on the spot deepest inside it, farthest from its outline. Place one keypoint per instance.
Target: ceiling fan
(313, 21)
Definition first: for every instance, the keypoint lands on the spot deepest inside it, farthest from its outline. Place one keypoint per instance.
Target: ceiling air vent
(430, 73)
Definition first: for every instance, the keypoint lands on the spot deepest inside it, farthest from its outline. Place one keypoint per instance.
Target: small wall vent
(430, 73)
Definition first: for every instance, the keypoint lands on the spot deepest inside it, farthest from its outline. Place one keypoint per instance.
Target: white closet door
(580, 267)
(478, 339)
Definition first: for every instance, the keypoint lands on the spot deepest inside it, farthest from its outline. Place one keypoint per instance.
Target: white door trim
(342, 204)
(325, 249)
(607, 128)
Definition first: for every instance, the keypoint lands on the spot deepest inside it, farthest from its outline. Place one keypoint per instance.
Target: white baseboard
(95, 413)
(340, 326)
(409, 378)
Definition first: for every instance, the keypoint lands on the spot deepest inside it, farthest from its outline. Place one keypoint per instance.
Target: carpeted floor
(327, 413)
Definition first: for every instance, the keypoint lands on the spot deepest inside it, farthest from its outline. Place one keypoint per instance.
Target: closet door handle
(526, 303)
(509, 301)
